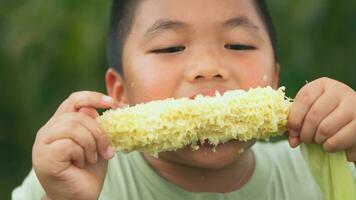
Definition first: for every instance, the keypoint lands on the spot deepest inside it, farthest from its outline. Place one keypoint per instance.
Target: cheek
(151, 80)
(253, 71)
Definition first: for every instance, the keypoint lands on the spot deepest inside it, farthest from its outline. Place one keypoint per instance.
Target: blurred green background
(52, 48)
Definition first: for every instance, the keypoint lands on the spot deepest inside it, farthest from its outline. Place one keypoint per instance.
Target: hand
(324, 112)
(70, 152)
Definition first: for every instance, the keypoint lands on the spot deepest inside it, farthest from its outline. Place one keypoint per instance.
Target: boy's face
(180, 48)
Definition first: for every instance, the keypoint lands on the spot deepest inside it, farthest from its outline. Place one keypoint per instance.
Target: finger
(89, 111)
(302, 104)
(329, 126)
(86, 110)
(81, 99)
(321, 108)
(66, 151)
(78, 156)
(102, 140)
(351, 154)
(293, 141)
(75, 131)
(345, 138)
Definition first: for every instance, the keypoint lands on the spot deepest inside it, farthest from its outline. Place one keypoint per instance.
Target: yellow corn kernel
(167, 125)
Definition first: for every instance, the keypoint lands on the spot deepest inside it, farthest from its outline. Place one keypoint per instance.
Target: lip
(205, 144)
(211, 92)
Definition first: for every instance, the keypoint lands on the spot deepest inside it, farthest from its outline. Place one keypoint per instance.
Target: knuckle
(64, 117)
(41, 134)
(305, 96)
(74, 96)
(293, 125)
(335, 85)
(80, 135)
(352, 96)
(65, 147)
(305, 137)
(54, 171)
(89, 144)
(70, 101)
(324, 130)
(71, 126)
(71, 98)
(313, 116)
(81, 116)
(331, 146)
(104, 139)
(324, 79)
(347, 103)
(77, 117)
(345, 88)
(100, 132)
(102, 135)
(319, 139)
(71, 119)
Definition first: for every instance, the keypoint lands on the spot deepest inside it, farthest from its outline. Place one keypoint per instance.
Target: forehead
(194, 12)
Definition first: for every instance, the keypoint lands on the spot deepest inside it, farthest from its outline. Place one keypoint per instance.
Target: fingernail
(110, 152)
(294, 142)
(107, 99)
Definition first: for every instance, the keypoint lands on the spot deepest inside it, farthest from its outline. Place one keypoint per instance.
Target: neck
(195, 179)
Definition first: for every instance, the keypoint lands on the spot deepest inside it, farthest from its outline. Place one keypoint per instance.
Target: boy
(180, 48)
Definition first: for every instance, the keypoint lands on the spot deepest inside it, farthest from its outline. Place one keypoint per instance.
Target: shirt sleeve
(30, 189)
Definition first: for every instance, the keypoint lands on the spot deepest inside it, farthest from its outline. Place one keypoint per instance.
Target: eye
(239, 47)
(169, 50)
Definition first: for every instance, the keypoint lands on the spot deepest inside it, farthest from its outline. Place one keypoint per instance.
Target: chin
(206, 157)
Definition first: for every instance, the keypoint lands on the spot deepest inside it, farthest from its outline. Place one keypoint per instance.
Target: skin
(204, 66)
(202, 62)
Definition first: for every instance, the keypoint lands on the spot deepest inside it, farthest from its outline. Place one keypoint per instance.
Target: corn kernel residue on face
(171, 124)
(265, 78)
(240, 151)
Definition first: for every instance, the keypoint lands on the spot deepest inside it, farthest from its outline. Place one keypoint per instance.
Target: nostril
(202, 77)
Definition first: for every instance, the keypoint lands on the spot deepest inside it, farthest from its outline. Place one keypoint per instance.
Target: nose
(207, 66)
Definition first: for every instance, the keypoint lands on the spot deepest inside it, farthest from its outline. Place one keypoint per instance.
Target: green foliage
(48, 50)
(52, 48)
(316, 38)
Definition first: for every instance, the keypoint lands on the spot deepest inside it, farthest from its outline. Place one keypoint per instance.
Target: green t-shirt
(280, 173)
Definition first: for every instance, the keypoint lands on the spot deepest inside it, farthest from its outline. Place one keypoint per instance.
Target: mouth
(205, 144)
(209, 92)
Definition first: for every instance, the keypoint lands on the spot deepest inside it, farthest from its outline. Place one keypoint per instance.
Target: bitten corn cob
(167, 125)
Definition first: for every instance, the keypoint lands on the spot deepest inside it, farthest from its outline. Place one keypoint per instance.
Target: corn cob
(167, 125)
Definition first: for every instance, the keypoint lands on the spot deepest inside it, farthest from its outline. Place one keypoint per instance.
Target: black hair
(122, 16)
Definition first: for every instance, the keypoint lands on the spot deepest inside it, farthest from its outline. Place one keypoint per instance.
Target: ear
(115, 88)
(275, 81)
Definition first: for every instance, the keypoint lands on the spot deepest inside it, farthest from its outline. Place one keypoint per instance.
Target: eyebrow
(162, 25)
(167, 24)
(240, 21)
